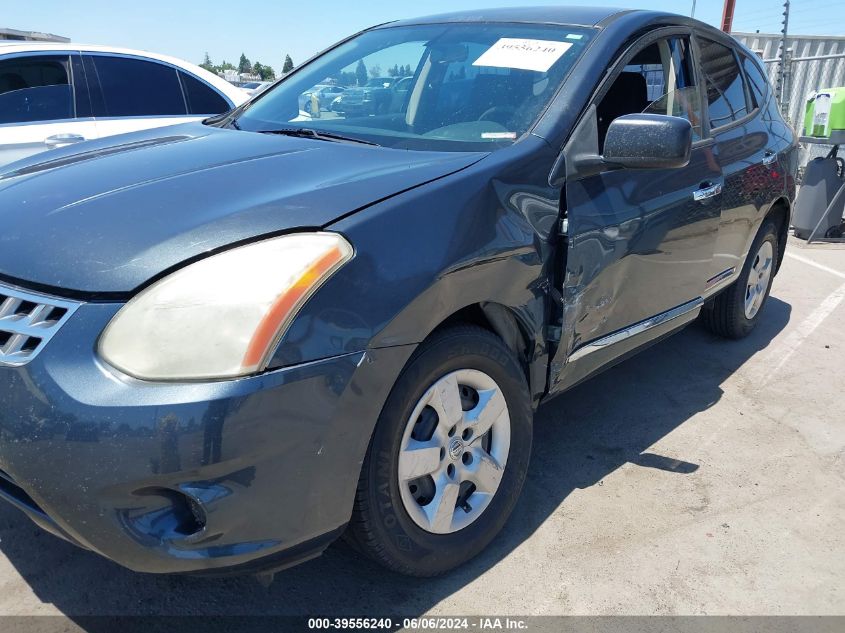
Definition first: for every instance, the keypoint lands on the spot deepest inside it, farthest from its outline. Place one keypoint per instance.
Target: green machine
(820, 204)
(824, 117)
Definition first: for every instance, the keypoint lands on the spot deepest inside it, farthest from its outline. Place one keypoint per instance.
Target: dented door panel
(639, 245)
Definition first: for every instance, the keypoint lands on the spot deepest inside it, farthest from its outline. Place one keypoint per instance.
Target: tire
(391, 520)
(728, 316)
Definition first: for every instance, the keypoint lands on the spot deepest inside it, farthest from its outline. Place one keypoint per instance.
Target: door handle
(60, 140)
(769, 158)
(707, 190)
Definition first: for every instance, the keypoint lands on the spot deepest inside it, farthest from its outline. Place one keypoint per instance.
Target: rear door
(745, 150)
(640, 242)
(43, 103)
(130, 93)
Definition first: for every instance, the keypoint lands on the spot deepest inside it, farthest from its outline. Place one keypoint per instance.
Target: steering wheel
(498, 114)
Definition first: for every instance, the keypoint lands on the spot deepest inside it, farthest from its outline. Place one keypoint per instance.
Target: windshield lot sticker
(510, 52)
(498, 135)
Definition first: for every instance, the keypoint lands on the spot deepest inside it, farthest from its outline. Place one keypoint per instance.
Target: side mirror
(648, 141)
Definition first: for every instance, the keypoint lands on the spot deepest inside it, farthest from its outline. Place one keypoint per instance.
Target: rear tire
(737, 308)
(423, 519)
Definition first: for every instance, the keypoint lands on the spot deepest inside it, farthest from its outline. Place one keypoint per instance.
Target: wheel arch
(780, 211)
(505, 323)
(496, 318)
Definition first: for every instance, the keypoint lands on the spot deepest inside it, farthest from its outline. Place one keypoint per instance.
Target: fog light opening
(189, 514)
(174, 516)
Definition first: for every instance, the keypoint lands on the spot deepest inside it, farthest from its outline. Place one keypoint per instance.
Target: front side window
(136, 87)
(452, 87)
(659, 79)
(35, 89)
(726, 95)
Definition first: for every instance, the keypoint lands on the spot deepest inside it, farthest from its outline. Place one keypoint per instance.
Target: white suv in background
(53, 95)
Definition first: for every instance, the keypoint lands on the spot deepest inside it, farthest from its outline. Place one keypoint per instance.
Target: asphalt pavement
(703, 476)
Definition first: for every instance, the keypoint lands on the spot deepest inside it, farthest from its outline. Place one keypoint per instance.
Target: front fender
(483, 235)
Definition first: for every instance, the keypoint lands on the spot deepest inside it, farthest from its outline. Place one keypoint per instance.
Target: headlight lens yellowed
(222, 316)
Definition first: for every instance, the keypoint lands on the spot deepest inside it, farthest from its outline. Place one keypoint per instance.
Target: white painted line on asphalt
(810, 262)
(790, 344)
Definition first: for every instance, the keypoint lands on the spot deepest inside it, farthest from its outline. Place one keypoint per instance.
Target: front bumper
(188, 477)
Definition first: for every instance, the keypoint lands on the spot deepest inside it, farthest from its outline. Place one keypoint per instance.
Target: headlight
(223, 316)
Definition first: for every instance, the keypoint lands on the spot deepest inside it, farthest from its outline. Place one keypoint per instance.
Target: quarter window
(35, 89)
(202, 99)
(726, 95)
(134, 87)
(757, 81)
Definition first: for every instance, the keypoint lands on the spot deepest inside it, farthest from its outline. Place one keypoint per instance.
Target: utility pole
(728, 15)
(784, 70)
(692, 13)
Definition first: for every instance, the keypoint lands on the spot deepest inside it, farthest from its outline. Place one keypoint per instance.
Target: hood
(106, 216)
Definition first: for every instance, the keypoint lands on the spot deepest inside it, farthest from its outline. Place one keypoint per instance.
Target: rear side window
(134, 87)
(35, 89)
(726, 96)
(201, 98)
(757, 81)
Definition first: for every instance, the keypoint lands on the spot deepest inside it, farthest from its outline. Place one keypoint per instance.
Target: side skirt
(602, 353)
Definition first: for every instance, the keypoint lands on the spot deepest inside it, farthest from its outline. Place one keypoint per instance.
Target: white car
(325, 95)
(56, 94)
(255, 87)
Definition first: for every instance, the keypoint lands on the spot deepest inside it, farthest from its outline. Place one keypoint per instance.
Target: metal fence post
(786, 94)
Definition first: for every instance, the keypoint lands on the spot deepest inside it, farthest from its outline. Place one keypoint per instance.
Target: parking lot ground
(703, 476)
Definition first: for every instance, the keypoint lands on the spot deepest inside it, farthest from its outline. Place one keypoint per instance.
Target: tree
(393, 71)
(375, 70)
(407, 72)
(288, 66)
(258, 69)
(345, 78)
(244, 66)
(267, 73)
(361, 73)
(207, 63)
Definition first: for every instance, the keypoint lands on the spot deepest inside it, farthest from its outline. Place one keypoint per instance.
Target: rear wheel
(736, 310)
(448, 457)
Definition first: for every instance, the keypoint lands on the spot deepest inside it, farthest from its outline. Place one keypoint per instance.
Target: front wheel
(736, 310)
(448, 457)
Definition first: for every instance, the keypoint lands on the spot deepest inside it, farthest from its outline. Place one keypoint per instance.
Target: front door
(43, 101)
(640, 242)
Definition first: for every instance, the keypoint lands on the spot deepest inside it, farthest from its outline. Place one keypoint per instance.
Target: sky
(267, 30)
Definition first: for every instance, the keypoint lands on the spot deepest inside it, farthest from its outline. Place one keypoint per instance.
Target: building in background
(814, 62)
(29, 36)
(236, 78)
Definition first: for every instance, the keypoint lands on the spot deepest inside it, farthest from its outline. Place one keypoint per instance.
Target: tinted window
(757, 81)
(35, 89)
(133, 87)
(726, 96)
(202, 99)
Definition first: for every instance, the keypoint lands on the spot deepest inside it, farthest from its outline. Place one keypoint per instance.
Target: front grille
(27, 323)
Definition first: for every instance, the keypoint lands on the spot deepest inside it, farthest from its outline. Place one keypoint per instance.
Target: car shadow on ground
(580, 438)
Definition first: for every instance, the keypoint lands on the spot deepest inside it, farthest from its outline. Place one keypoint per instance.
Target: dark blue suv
(225, 344)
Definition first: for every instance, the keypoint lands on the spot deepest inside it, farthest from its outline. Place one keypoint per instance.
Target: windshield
(448, 87)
